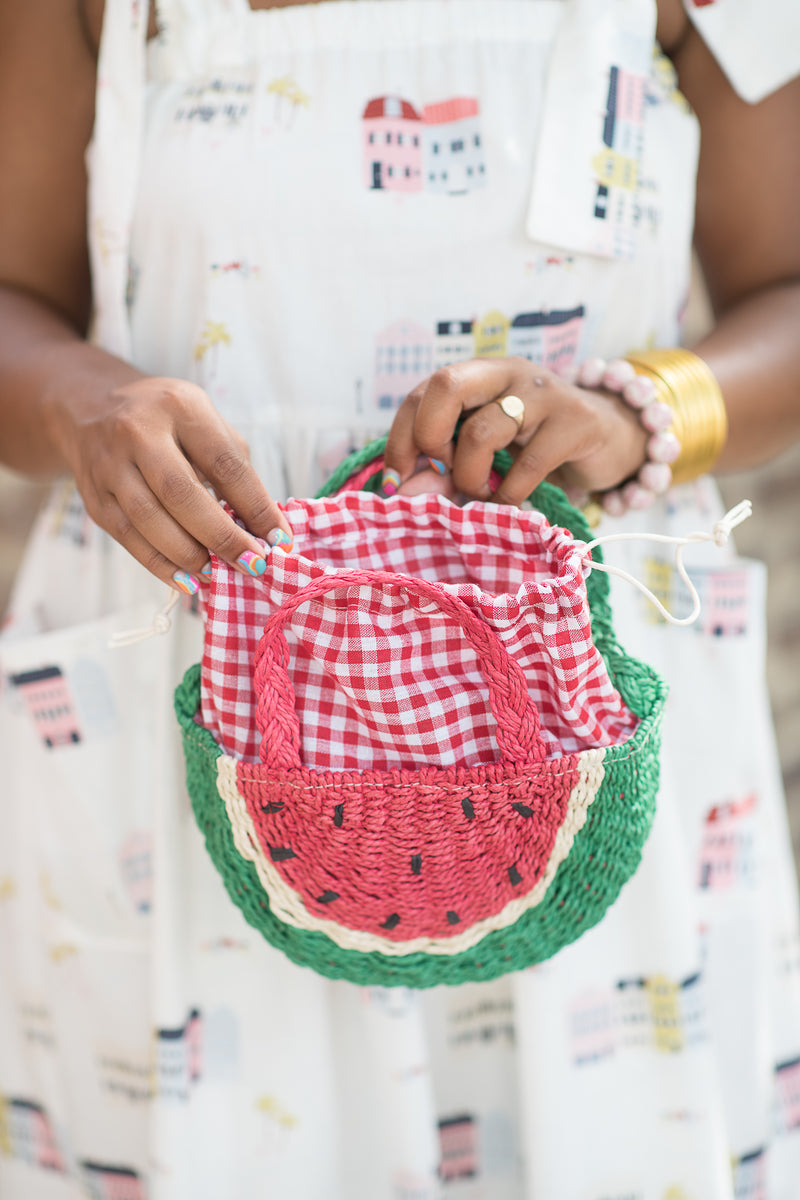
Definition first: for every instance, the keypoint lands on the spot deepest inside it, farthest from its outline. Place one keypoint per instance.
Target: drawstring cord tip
(160, 625)
(723, 528)
(719, 534)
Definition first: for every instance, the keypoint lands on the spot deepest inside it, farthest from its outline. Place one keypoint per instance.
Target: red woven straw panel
(385, 679)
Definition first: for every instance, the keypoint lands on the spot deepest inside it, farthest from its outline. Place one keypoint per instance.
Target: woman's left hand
(578, 437)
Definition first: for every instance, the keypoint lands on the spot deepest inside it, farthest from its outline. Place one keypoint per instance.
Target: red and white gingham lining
(382, 679)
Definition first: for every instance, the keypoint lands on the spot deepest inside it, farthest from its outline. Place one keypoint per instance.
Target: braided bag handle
(518, 727)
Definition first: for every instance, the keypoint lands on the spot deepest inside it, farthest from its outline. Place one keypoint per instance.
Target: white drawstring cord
(160, 624)
(720, 532)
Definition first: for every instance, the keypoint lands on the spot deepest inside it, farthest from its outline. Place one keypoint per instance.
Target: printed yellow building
(616, 170)
(664, 995)
(491, 335)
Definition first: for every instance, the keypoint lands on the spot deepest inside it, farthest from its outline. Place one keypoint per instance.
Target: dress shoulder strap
(174, 13)
(113, 160)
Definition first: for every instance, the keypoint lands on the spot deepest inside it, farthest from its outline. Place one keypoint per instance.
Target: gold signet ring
(513, 407)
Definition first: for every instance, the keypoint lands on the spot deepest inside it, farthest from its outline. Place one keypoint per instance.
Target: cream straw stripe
(288, 906)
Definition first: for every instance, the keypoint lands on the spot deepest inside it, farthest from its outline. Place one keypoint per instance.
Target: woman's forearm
(754, 352)
(44, 366)
(140, 448)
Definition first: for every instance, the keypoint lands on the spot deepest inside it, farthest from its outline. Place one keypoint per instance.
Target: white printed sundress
(307, 211)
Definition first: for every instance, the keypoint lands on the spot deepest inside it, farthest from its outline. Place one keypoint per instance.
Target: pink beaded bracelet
(663, 447)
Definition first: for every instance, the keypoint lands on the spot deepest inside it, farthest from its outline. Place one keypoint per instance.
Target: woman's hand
(141, 455)
(579, 438)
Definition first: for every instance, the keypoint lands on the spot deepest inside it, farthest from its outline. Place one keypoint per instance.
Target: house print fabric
(152, 1045)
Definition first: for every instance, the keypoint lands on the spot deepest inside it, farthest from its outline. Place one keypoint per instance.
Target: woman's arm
(748, 239)
(138, 447)
(747, 233)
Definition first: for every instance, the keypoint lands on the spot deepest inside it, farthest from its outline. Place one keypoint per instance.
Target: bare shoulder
(747, 219)
(673, 24)
(47, 86)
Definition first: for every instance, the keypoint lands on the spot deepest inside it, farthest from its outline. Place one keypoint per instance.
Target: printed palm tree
(286, 89)
(214, 333)
(272, 1108)
(48, 893)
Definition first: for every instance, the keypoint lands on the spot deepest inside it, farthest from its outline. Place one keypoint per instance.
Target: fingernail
(279, 539)
(252, 563)
(206, 570)
(438, 466)
(390, 482)
(187, 583)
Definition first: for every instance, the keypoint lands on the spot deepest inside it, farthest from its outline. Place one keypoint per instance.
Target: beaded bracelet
(663, 447)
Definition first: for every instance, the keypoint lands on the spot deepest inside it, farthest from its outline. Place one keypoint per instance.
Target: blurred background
(772, 534)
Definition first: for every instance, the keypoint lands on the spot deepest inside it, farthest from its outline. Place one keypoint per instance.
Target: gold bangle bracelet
(686, 383)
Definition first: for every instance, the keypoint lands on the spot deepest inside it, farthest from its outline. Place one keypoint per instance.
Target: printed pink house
(107, 1182)
(750, 1176)
(135, 859)
(787, 1086)
(454, 158)
(726, 603)
(30, 1136)
(591, 1026)
(727, 849)
(617, 165)
(550, 338)
(623, 129)
(458, 1140)
(403, 358)
(392, 145)
(194, 1045)
(49, 702)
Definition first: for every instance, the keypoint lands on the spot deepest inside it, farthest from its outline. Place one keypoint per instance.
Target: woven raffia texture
(436, 875)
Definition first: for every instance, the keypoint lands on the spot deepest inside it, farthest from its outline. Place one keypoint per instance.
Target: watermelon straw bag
(421, 776)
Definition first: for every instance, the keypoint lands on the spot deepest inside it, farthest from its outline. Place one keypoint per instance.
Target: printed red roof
(396, 108)
(450, 110)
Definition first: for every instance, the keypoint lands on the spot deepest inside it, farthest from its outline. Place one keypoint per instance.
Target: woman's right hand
(142, 455)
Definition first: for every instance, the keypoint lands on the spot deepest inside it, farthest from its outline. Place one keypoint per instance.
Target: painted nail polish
(206, 570)
(390, 482)
(187, 583)
(438, 466)
(279, 539)
(252, 563)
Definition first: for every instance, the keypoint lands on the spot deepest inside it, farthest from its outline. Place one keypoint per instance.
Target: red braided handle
(518, 735)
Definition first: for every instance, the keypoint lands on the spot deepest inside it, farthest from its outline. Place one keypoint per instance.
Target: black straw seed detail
(514, 875)
(338, 816)
(416, 863)
(327, 897)
(453, 918)
(523, 810)
(274, 808)
(469, 811)
(391, 921)
(281, 853)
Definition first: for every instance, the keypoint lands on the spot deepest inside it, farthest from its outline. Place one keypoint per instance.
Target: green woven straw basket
(571, 828)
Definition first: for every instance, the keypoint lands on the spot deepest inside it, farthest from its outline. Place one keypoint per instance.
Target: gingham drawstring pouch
(414, 747)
